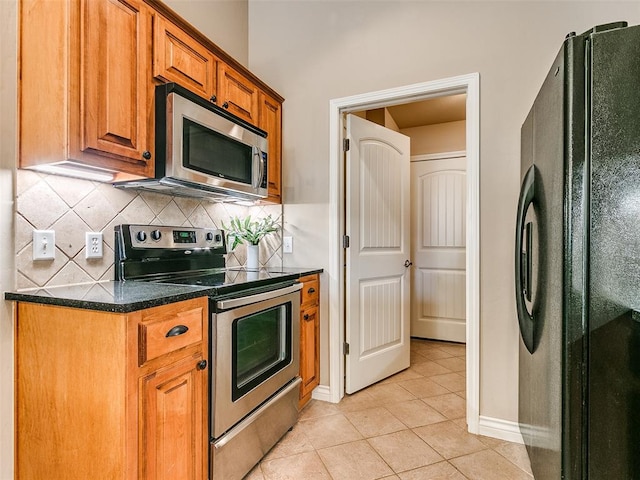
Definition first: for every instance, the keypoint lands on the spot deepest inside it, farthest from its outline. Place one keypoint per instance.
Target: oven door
(255, 344)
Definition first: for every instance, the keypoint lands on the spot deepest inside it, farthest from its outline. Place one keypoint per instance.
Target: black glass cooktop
(231, 279)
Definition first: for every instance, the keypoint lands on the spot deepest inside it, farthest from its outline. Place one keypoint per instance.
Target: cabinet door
(309, 352)
(116, 111)
(271, 122)
(178, 57)
(173, 424)
(237, 94)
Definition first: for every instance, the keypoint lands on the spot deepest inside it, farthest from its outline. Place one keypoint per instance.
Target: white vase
(252, 257)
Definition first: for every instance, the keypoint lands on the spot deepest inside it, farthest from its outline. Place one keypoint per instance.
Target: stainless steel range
(254, 353)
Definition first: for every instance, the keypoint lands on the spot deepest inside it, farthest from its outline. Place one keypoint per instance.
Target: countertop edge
(141, 301)
(127, 307)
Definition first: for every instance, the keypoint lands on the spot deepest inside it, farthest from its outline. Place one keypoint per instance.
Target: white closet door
(438, 191)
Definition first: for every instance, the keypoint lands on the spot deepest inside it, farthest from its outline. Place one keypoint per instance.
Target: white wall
(224, 22)
(437, 138)
(314, 51)
(8, 102)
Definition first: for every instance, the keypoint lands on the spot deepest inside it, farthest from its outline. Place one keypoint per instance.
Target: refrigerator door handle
(523, 257)
(527, 259)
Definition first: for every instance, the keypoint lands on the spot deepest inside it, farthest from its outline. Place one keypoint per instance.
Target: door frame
(469, 84)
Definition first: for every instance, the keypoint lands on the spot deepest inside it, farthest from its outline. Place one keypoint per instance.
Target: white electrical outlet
(287, 244)
(93, 245)
(44, 244)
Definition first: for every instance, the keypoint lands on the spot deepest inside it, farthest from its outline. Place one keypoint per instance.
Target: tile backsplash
(72, 207)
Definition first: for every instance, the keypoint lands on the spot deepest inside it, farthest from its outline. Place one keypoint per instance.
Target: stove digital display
(184, 236)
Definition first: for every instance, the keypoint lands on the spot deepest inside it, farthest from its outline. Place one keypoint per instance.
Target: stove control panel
(180, 238)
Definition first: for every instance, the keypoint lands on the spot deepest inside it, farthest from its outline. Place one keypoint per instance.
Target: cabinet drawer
(160, 334)
(310, 290)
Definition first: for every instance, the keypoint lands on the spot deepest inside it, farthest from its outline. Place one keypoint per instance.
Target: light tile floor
(410, 426)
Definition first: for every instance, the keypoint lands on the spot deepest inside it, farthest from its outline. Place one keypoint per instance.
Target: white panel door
(438, 250)
(378, 224)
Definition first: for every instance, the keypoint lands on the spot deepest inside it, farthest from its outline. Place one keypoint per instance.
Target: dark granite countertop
(123, 297)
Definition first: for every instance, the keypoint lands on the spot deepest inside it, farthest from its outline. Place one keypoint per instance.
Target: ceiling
(450, 108)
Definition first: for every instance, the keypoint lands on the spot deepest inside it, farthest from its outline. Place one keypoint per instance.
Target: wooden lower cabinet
(309, 337)
(91, 404)
(172, 423)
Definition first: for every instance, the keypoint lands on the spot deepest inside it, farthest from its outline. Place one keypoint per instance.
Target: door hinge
(345, 145)
(345, 346)
(345, 241)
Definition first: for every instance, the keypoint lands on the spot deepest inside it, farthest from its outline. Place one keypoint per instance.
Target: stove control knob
(218, 238)
(156, 235)
(209, 236)
(141, 236)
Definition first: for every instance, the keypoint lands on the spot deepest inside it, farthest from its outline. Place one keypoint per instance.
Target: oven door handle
(259, 297)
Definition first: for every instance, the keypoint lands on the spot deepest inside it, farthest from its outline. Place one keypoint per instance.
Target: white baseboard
(322, 392)
(501, 429)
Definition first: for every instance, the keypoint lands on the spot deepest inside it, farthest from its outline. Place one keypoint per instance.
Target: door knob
(407, 263)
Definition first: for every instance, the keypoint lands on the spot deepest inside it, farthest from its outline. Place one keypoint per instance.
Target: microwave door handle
(257, 167)
(265, 172)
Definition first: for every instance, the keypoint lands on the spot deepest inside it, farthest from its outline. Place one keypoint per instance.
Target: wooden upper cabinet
(88, 70)
(178, 57)
(85, 87)
(237, 94)
(271, 122)
(117, 106)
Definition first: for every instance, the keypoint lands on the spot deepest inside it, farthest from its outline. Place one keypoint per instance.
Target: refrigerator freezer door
(541, 351)
(614, 253)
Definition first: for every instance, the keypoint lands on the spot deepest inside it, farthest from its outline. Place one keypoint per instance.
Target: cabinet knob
(213, 99)
(311, 290)
(146, 155)
(225, 105)
(201, 365)
(306, 316)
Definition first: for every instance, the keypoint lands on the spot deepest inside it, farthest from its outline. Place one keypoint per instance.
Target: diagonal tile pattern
(72, 207)
(408, 427)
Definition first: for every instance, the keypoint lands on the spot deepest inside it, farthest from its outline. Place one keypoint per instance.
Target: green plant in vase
(246, 230)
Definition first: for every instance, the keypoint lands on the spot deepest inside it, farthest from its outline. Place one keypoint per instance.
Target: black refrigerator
(577, 262)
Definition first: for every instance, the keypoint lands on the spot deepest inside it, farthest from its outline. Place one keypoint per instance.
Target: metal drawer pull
(311, 290)
(201, 365)
(177, 330)
(306, 316)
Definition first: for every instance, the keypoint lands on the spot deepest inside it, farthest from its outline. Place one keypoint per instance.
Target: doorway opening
(466, 84)
(437, 205)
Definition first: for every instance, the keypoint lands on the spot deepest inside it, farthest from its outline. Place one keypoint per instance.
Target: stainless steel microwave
(204, 151)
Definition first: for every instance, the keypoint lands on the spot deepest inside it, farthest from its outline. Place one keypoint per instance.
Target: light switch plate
(93, 245)
(44, 244)
(287, 244)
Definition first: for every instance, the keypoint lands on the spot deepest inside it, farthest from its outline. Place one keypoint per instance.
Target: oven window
(262, 347)
(213, 153)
